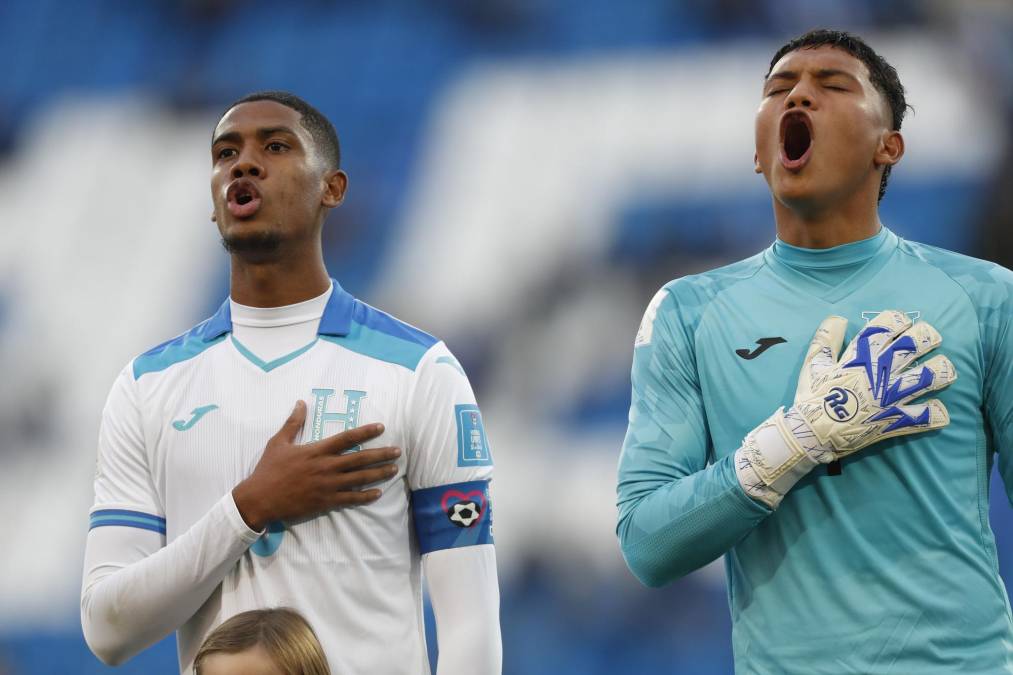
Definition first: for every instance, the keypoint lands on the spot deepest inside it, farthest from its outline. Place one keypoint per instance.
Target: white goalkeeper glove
(846, 405)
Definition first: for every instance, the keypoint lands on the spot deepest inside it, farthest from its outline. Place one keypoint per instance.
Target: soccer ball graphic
(464, 514)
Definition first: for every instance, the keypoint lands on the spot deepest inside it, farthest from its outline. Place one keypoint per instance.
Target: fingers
(935, 374)
(822, 354)
(912, 344)
(347, 485)
(355, 498)
(826, 343)
(363, 458)
(294, 424)
(353, 480)
(320, 476)
(874, 336)
(349, 439)
(894, 321)
(913, 419)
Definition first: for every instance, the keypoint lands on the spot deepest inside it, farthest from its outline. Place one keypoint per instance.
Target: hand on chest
(748, 369)
(218, 435)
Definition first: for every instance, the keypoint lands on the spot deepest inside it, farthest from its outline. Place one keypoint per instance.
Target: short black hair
(883, 76)
(320, 128)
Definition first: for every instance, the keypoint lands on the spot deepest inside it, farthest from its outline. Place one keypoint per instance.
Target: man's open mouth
(796, 140)
(243, 199)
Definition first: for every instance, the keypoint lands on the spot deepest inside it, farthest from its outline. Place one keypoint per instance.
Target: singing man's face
(819, 128)
(268, 180)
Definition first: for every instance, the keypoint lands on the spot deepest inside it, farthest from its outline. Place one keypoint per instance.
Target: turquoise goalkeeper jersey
(888, 567)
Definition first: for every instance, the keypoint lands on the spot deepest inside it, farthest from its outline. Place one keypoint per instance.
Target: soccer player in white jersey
(298, 448)
(846, 487)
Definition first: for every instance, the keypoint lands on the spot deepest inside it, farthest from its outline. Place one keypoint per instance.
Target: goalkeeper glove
(846, 405)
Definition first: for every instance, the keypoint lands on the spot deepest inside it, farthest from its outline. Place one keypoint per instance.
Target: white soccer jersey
(188, 420)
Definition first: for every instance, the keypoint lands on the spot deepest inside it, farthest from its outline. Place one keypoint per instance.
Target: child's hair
(282, 632)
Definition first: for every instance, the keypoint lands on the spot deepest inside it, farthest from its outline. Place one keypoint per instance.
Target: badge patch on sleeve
(472, 444)
(646, 332)
(451, 516)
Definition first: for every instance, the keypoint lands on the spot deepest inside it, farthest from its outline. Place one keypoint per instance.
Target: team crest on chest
(327, 410)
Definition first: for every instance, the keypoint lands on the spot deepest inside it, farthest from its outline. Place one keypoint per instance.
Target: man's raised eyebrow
(264, 132)
(270, 131)
(227, 137)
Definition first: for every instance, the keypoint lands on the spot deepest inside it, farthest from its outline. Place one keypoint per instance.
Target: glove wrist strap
(772, 459)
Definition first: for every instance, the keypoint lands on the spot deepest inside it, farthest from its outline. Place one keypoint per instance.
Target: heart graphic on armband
(464, 509)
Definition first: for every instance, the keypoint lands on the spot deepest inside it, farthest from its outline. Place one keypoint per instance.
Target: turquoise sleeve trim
(126, 518)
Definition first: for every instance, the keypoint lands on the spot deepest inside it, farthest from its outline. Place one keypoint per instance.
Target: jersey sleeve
(449, 460)
(124, 491)
(135, 587)
(995, 309)
(677, 512)
(464, 590)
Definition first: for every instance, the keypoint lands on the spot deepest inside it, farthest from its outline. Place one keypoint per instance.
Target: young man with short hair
(851, 510)
(298, 448)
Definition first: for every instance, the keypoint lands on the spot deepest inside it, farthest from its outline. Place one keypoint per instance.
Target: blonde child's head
(262, 642)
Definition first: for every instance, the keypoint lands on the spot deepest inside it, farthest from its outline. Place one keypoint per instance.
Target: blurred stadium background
(524, 175)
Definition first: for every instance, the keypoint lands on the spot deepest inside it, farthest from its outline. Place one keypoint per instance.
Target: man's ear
(756, 164)
(890, 150)
(336, 184)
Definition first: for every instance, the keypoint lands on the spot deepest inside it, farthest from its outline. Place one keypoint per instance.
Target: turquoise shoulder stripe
(381, 346)
(380, 336)
(183, 348)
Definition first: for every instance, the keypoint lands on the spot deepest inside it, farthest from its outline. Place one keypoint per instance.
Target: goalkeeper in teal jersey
(826, 413)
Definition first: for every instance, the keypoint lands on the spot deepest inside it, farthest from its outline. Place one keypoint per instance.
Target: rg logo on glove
(840, 405)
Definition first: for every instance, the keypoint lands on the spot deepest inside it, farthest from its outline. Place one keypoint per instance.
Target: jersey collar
(337, 317)
(831, 274)
(336, 320)
(837, 256)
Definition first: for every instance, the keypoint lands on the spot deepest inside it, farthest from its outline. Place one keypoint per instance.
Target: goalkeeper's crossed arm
(678, 511)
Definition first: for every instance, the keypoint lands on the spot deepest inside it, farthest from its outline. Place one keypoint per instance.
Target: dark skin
(833, 198)
(262, 147)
